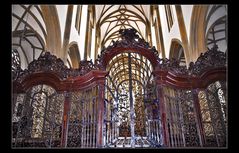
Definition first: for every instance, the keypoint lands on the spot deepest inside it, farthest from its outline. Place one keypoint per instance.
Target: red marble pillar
(65, 120)
(163, 114)
(159, 76)
(99, 134)
(199, 117)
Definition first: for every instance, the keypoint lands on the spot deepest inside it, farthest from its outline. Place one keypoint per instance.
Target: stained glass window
(169, 16)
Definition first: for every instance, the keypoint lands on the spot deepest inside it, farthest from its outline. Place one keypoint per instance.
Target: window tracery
(216, 28)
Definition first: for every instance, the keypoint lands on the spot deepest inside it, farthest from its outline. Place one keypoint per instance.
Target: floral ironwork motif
(50, 63)
(86, 66)
(181, 118)
(82, 127)
(75, 125)
(47, 62)
(189, 118)
(214, 115)
(213, 58)
(171, 65)
(39, 121)
(130, 38)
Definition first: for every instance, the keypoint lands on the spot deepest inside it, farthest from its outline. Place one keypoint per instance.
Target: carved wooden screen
(193, 102)
(37, 118)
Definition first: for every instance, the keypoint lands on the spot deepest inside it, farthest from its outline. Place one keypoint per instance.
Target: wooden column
(99, 133)
(66, 114)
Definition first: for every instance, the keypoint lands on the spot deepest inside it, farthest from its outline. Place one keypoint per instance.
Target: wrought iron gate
(127, 108)
(190, 104)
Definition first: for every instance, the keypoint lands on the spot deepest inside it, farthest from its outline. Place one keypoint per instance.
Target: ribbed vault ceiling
(111, 18)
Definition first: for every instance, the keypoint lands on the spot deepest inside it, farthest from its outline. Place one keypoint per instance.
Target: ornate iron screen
(213, 109)
(37, 118)
(130, 74)
(181, 120)
(144, 101)
(82, 123)
(68, 115)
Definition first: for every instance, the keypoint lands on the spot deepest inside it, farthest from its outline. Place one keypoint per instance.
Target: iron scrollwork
(38, 123)
(129, 38)
(210, 59)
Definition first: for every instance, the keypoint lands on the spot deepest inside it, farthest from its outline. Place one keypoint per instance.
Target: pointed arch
(74, 54)
(177, 51)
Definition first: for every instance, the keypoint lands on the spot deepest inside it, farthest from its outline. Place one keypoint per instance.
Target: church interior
(119, 76)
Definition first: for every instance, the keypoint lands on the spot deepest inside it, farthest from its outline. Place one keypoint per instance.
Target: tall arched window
(89, 32)
(216, 29)
(78, 18)
(28, 32)
(74, 56)
(169, 16)
(177, 52)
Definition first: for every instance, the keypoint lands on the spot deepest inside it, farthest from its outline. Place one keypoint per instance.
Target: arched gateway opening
(131, 106)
